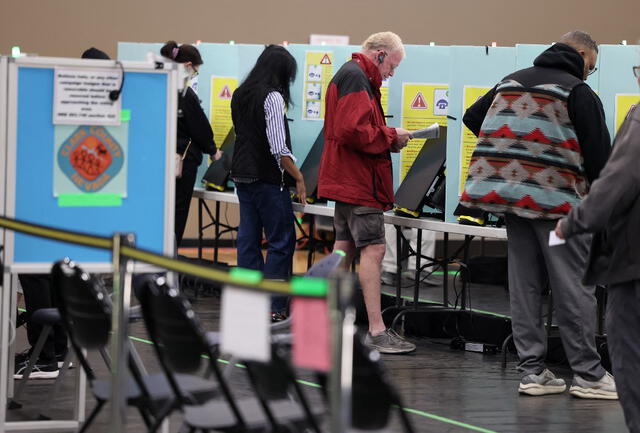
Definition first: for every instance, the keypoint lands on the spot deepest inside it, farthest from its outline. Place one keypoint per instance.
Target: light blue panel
(137, 51)
(422, 64)
(527, 53)
(470, 66)
(616, 76)
(142, 211)
(304, 132)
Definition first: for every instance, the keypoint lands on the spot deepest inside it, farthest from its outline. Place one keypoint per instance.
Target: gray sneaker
(604, 389)
(389, 342)
(541, 384)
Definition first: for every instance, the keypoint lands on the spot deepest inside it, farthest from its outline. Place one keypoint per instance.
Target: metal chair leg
(32, 361)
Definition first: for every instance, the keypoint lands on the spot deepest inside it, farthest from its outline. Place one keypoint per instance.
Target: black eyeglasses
(591, 72)
(636, 71)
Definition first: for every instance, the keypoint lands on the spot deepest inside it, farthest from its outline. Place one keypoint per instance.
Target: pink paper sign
(311, 348)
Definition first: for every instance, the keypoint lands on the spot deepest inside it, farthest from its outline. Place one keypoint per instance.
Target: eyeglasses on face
(636, 71)
(592, 71)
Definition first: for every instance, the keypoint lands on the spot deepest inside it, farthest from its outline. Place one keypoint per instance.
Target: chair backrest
(178, 337)
(325, 267)
(84, 305)
(373, 394)
(172, 325)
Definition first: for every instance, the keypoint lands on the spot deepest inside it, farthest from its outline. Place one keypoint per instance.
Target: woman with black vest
(263, 168)
(195, 136)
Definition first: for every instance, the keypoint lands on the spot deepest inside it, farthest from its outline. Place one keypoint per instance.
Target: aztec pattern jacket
(541, 142)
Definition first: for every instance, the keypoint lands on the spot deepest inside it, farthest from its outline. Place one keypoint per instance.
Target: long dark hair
(181, 54)
(275, 69)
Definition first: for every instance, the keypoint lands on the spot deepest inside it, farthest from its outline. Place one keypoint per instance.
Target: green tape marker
(340, 253)
(89, 200)
(247, 276)
(317, 287)
(125, 115)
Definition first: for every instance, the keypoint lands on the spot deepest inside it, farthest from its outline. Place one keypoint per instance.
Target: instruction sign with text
(81, 96)
(422, 105)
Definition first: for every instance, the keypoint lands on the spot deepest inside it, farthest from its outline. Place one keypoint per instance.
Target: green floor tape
(406, 409)
(429, 301)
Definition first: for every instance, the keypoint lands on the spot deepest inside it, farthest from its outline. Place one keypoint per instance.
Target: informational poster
(624, 102)
(90, 160)
(222, 89)
(318, 71)
(468, 142)
(384, 96)
(81, 96)
(422, 105)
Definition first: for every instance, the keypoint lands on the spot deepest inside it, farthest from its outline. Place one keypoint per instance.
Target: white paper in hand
(244, 324)
(432, 131)
(554, 239)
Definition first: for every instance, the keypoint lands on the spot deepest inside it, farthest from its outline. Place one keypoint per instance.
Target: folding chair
(180, 342)
(86, 316)
(373, 394)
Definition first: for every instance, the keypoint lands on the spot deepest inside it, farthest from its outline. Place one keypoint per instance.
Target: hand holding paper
(432, 131)
(554, 239)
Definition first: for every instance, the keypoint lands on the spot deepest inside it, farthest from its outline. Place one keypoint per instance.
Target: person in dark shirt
(195, 136)
(542, 141)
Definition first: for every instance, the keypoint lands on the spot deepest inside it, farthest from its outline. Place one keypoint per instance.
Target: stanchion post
(343, 327)
(122, 275)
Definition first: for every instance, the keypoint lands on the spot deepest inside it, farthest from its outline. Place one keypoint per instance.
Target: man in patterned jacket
(542, 140)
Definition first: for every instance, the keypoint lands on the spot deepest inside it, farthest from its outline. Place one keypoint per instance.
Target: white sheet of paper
(554, 239)
(244, 324)
(432, 131)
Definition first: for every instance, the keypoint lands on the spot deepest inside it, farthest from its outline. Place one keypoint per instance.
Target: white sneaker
(604, 389)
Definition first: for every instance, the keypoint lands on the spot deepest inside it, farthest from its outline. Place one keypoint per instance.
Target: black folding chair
(180, 343)
(86, 316)
(373, 394)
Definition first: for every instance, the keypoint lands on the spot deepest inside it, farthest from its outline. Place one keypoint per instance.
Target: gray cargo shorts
(361, 224)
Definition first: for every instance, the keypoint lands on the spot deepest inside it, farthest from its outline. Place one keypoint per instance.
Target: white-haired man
(356, 172)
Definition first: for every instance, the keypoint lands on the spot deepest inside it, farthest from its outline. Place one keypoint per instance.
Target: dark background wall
(66, 27)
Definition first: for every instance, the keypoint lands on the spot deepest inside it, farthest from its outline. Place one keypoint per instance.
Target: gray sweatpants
(531, 262)
(623, 337)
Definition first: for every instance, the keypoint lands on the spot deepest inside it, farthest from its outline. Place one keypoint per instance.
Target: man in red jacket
(356, 172)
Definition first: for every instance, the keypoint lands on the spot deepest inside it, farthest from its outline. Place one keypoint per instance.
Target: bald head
(579, 40)
(584, 44)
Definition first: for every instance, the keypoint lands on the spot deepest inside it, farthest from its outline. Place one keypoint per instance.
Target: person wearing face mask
(195, 136)
(611, 211)
(542, 140)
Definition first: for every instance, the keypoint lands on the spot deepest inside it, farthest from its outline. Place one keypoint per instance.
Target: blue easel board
(470, 66)
(143, 209)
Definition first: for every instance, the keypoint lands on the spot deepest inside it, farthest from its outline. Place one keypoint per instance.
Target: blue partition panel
(470, 66)
(616, 77)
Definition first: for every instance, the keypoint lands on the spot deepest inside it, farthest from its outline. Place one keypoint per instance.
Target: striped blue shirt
(274, 117)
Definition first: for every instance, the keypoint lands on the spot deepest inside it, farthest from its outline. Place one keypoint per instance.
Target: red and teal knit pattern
(527, 159)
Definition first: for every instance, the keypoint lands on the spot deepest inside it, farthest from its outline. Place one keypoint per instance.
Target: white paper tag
(554, 239)
(244, 324)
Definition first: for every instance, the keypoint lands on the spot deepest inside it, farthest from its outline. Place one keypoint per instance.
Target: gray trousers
(531, 264)
(623, 338)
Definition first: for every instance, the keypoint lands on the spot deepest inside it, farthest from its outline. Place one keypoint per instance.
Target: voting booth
(89, 148)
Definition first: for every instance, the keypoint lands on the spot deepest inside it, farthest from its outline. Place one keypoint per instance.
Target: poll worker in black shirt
(195, 136)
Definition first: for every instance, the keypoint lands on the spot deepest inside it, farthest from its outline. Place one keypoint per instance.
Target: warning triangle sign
(419, 103)
(225, 93)
(325, 60)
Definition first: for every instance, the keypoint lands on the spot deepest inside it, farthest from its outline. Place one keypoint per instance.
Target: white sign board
(81, 96)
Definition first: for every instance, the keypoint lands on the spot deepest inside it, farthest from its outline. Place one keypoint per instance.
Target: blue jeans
(266, 206)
